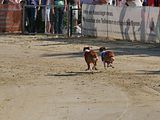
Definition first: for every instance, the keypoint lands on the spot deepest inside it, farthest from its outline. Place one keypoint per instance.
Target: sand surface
(44, 78)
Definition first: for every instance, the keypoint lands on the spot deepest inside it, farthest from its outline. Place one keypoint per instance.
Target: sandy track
(42, 78)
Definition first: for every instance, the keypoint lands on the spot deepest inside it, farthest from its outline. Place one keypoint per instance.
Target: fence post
(107, 21)
(70, 20)
(23, 17)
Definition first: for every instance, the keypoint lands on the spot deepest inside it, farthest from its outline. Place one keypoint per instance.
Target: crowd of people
(51, 13)
(48, 15)
(124, 2)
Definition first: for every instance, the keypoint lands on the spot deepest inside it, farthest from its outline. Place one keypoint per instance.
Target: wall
(129, 23)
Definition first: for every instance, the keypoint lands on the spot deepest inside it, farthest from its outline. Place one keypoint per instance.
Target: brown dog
(107, 57)
(90, 56)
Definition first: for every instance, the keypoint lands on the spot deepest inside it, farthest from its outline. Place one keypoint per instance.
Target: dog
(106, 57)
(90, 57)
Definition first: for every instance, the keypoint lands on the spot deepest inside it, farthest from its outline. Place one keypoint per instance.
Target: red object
(150, 2)
(102, 2)
(11, 16)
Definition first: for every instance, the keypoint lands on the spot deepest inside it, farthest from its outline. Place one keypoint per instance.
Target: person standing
(150, 3)
(156, 3)
(32, 14)
(75, 10)
(60, 6)
(47, 17)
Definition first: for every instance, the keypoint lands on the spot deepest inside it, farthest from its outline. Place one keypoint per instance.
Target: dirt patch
(42, 77)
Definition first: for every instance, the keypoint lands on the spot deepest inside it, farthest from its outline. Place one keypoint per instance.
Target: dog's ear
(86, 48)
(102, 49)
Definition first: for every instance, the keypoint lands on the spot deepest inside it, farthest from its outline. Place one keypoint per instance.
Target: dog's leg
(104, 63)
(94, 66)
(88, 66)
(111, 65)
(108, 65)
(111, 62)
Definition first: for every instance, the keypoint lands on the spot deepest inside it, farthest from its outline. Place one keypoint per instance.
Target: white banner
(130, 23)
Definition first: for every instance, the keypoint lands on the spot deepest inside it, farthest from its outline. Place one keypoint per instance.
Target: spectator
(31, 15)
(60, 7)
(47, 17)
(156, 3)
(122, 3)
(5, 1)
(102, 1)
(9, 2)
(96, 2)
(113, 2)
(130, 3)
(150, 2)
(75, 6)
(86, 1)
(144, 3)
(43, 2)
(40, 18)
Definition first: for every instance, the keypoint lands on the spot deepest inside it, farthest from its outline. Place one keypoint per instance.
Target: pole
(107, 21)
(68, 16)
(23, 18)
(71, 21)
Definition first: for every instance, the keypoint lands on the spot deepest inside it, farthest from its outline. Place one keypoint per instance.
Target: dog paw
(95, 69)
(86, 69)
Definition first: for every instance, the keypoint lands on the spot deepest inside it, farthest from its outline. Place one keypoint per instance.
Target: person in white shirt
(134, 3)
(76, 7)
(47, 17)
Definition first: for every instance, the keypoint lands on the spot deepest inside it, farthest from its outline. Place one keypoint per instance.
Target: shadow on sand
(64, 55)
(154, 72)
(78, 73)
(120, 47)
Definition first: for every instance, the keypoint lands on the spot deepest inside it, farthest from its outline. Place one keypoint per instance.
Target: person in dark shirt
(31, 12)
(60, 7)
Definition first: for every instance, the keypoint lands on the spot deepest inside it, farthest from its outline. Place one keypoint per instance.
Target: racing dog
(90, 57)
(106, 57)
